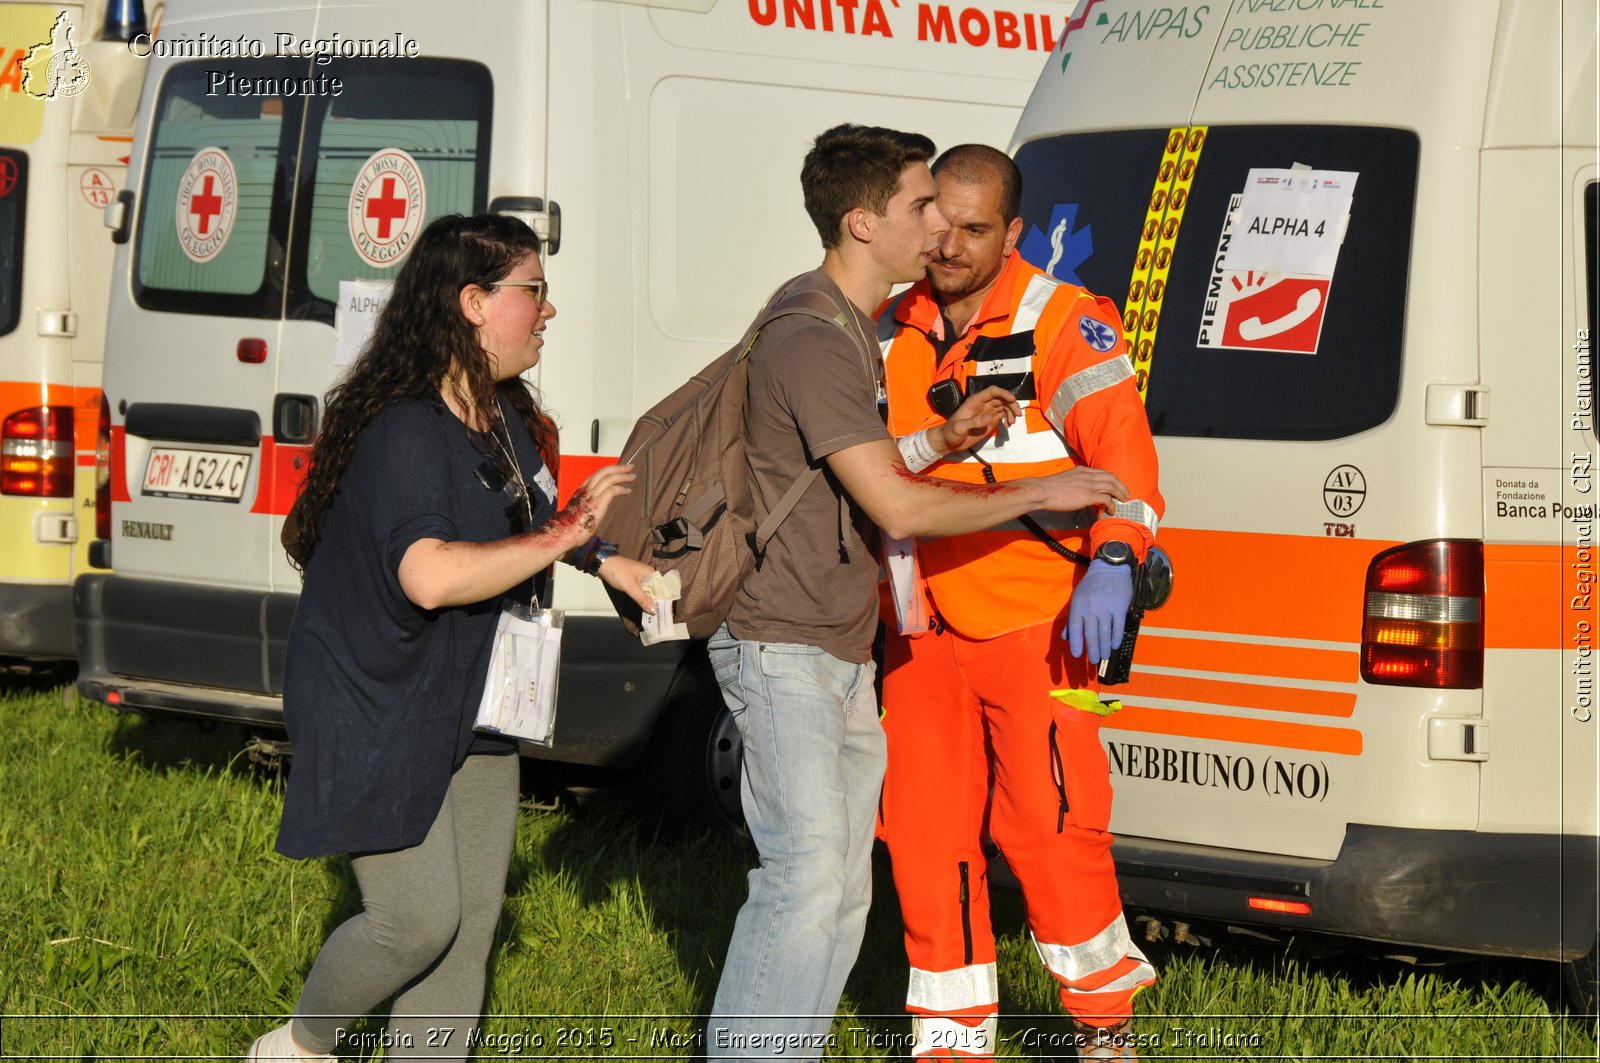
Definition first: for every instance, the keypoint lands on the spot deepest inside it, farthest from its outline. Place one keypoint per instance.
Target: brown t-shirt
(810, 395)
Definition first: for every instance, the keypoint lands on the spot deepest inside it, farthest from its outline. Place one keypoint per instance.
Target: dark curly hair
(421, 338)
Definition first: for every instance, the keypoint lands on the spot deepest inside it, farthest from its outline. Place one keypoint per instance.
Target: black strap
(1027, 521)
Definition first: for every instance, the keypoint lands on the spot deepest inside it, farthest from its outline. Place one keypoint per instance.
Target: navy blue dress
(379, 694)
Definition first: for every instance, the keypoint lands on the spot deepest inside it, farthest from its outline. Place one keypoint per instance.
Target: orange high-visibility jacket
(1060, 350)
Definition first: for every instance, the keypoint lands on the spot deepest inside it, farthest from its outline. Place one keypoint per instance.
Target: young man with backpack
(794, 657)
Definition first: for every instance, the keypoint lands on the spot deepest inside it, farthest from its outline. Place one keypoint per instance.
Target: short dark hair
(973, 164)
(853, 166)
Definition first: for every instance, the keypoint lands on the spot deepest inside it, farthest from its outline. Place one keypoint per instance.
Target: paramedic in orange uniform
(997, 685)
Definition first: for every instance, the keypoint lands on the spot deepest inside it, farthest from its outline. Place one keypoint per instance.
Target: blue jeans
(814, 756)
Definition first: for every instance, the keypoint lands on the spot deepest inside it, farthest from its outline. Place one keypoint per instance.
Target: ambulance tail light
(1279, 906)
(102, 472)
(36, 455)
(1424, 616)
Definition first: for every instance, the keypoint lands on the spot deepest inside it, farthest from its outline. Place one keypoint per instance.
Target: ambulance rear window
(400, 143)
(13, 213)
(209, 223)
(391, 134)
(1240, 346)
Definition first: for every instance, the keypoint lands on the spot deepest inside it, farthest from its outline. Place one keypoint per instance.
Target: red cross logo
(206, 204)
(386, 208)
(388, 201)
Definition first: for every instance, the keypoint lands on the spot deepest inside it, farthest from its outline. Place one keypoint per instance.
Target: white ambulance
(284, 159)
(68, 92)
(1356, 247)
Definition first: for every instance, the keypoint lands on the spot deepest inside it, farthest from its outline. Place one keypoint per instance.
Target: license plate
(214, 476)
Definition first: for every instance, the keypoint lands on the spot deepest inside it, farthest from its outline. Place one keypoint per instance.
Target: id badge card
(519, 692)
(905, 583)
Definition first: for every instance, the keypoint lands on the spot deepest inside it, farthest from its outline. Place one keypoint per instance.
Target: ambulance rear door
(1536, 293)
(407, 139)
(194, 334)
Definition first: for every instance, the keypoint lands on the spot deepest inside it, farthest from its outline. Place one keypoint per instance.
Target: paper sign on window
(1275, 261)
(355, 317)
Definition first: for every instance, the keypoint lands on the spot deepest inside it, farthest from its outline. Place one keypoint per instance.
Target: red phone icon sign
(1283, 316)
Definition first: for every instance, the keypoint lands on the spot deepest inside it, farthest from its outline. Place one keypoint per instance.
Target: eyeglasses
(538, 289)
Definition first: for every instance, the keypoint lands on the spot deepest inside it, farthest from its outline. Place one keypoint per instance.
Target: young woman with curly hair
(431, 499)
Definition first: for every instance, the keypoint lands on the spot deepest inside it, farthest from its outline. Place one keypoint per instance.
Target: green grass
(143, 914)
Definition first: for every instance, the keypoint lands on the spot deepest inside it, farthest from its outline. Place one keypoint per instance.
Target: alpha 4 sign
(1275, 261)
(1291, 221)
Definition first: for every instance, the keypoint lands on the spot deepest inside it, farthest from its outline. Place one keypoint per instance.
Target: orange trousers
(976, 742)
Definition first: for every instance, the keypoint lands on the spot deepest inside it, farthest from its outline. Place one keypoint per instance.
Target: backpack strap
(780, 512)
(811, 302)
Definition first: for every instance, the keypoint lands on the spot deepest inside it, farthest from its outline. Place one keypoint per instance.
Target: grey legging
(425, 935)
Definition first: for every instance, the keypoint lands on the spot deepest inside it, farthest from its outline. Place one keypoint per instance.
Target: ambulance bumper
(36, 621)
(213, 653)
(1530, 895)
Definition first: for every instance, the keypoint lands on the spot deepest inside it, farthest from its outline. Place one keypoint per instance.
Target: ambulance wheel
(1582, 978)
(688, 779)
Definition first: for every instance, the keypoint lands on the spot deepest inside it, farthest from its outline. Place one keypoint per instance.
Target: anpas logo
(1139, 25)
(67, 72)
(1079, 18)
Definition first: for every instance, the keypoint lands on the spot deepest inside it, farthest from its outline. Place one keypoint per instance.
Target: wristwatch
(1115, 552)
(599, 549)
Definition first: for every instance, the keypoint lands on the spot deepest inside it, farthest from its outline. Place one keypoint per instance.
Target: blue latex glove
(1098, 609)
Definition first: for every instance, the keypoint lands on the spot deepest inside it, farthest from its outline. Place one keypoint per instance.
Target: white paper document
(1291, 221)
(905, 581)
(519, 693)
(355, 315)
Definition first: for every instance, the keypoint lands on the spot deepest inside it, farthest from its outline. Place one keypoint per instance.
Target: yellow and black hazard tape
(1157, 239)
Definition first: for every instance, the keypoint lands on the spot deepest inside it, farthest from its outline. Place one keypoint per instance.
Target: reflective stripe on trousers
(1109, 962)
(954, 990)
(944, 1038)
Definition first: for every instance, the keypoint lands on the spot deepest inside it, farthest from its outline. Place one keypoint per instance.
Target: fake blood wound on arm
(577, 516)
(981, 490)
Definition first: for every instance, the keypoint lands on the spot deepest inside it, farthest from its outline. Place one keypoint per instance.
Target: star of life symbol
(1065, 248)
(67, 73)
(1097, 334)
